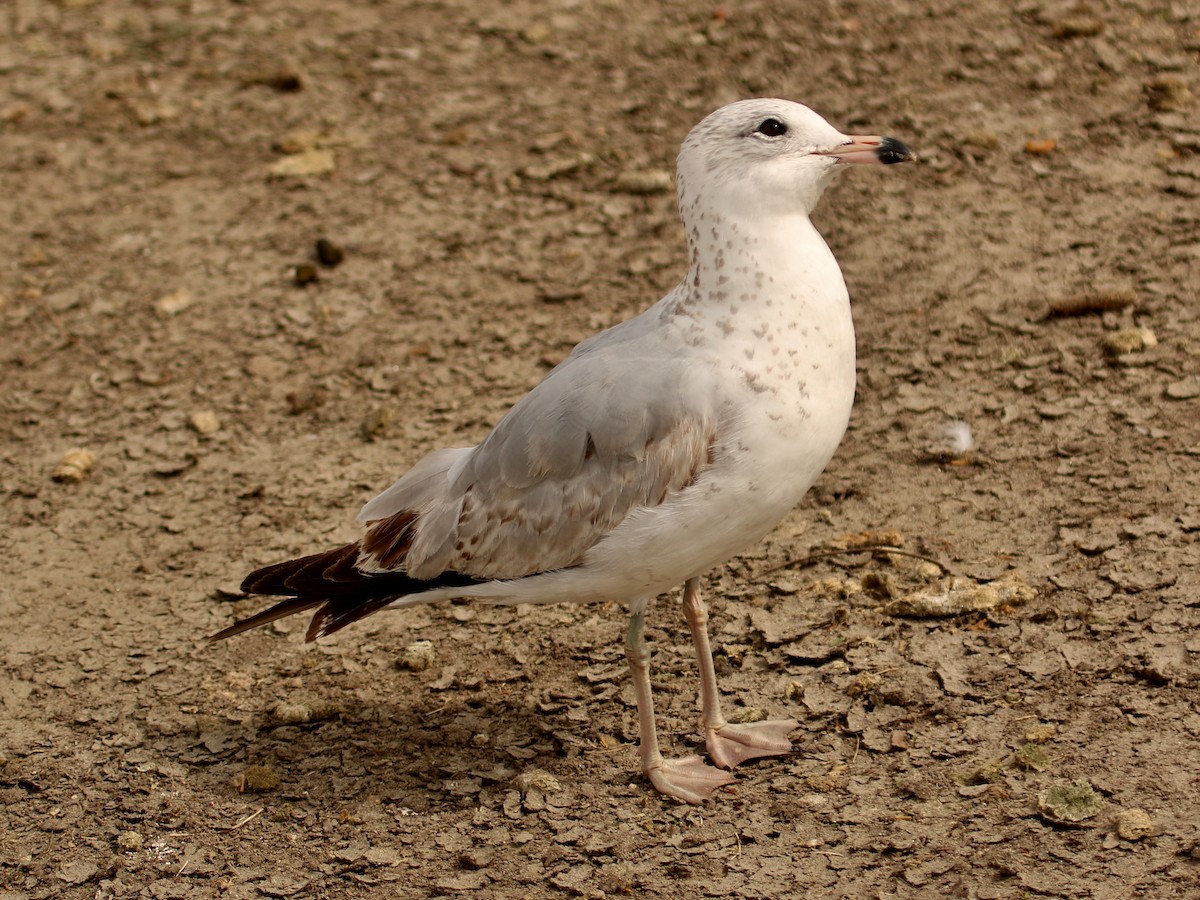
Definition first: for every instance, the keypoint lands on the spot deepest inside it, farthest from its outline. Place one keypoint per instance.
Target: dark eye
(771, 127)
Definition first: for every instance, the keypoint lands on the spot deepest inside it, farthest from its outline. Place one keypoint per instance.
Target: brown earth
(474, 158)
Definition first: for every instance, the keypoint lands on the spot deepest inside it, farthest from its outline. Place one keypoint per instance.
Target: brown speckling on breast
(754, 382)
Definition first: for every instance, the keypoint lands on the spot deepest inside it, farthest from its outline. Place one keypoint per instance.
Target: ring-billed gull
(658, 449)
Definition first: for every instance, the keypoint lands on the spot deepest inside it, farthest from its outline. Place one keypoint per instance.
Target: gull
(658, 449)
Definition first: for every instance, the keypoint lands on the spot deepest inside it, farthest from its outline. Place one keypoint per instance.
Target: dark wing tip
(333, 584)
(278, 611)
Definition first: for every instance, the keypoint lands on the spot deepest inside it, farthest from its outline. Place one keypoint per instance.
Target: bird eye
(771, 128)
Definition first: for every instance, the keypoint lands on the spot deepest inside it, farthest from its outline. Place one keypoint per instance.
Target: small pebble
(204, 421)
(538, 33)
(1032, 757)
(537, 780)
(556, 168)
(317, 161)
(305, 399)
(1128, 340)
(257, 779)
(1040, 733)
(1041, 146)
(643, 181)
(417, 656)
(1168, 93)
(74, 466)
(328, 253)
(285, 713)
(174, 303)
(862, 685)
(130, 841)
(1077, 26)
(375, 423)
(286, 78)
(743, 714)
(305, 273)
(300, 140)
(1134, 824)
(987, 773)
(293, 713)
(927, 571)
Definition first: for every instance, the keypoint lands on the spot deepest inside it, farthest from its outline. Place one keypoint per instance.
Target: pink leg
(728, 745)
(688, 779)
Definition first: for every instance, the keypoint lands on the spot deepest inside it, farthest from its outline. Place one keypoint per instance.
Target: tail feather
(334, 616)
(332, 583)
(267, 616)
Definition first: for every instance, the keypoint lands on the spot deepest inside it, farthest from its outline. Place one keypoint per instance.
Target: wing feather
(590, 445)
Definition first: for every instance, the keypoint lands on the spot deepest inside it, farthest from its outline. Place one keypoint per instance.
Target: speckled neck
(744, 266)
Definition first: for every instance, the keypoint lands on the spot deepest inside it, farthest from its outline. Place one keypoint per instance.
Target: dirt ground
(493, 173)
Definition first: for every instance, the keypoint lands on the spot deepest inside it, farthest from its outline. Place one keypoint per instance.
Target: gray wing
(599, 438)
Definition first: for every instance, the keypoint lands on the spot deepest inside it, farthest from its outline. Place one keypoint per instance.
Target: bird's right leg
(689, 779)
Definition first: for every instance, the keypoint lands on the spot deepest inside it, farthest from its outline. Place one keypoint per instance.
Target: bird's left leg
(689, 779)
(728, 744)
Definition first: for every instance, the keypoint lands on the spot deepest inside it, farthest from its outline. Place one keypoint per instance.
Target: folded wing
(564, 468)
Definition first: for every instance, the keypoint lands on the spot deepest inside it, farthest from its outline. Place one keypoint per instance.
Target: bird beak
(869, 149)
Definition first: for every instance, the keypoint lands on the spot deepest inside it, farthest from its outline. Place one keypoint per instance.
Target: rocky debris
(291, 712)
(955, 596)
(1168, 93)
(305, 274)
(417, 656)
(257, 780)
(1069, 804)
(328, 253)
(1077, 26)
(74, 466)
(1134, 825)
(174, 303)
(1128, 340)
(204, 421)
(644, 181)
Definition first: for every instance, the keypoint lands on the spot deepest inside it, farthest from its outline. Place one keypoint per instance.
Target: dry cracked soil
(496, 177)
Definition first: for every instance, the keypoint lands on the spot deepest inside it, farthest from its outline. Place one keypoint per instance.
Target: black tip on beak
(893, 151)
